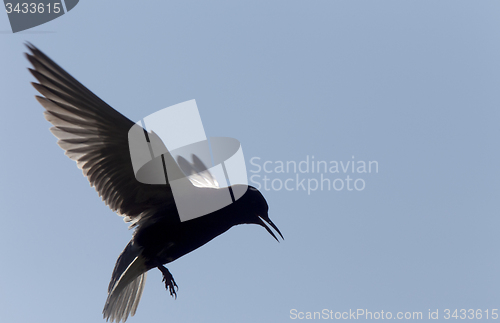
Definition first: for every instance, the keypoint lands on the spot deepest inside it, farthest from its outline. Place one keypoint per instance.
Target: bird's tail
(127, 284)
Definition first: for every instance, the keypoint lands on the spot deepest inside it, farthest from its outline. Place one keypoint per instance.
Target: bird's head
(255, 210)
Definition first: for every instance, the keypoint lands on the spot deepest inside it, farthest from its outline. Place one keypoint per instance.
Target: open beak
(262, 223)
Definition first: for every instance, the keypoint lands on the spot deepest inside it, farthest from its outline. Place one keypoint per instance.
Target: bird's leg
(169, 281)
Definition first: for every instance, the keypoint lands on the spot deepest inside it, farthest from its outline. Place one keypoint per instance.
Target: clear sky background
(413, 85)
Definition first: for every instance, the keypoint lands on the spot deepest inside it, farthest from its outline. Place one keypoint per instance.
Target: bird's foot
(170, 284)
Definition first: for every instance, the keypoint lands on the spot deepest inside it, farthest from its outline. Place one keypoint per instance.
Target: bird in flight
(96, 136)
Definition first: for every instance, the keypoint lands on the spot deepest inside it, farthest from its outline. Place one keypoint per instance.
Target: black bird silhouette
(96, 136)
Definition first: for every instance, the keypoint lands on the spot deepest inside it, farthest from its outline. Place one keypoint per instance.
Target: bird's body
(96, 136)
(163, 239)
(168, 239)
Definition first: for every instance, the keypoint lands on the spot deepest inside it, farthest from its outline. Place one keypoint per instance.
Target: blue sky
(412, 85)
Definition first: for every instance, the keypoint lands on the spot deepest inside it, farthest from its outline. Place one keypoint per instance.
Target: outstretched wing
(95, 136)
(197, 173)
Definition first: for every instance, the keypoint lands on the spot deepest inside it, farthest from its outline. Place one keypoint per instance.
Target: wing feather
(197, 173)
(95, 136)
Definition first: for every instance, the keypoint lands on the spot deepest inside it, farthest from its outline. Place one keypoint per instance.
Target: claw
(170, 284)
